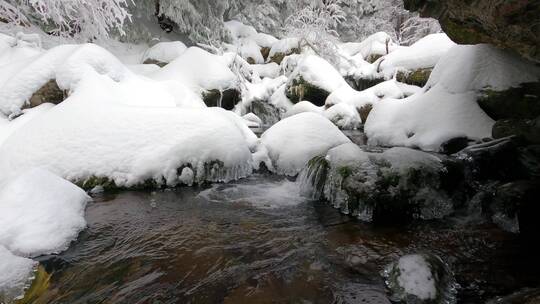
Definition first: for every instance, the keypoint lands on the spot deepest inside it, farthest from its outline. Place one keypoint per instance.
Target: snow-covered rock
(164, 52)
(423, 54)
(292, 142)
(40, 213)
(344, 116)
(270, 70)
(116, 134)
(377, 44)
(447, 107)
(282, 48)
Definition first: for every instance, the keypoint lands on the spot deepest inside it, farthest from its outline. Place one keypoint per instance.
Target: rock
(394, 186)
(268, 113)
(361, 84)
(156, 62)
(279, 56)
(454, 145)
(373, 57)
(526, 296)
(265, 52)
(529, 158)
(418, 77)
(528, 130)
(420, 278)
(226, 99)
(522, 102)
(515, 208)
(300, 90)
(508, 24)
(364, 112)
(49, 92)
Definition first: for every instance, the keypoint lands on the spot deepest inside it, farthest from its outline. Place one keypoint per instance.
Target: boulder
(48, 93)
(420, 278)
(418, 77)
(519, 102)
(300, 90)
(226, 99)
(526, 296)
(508, 24)
(527, 129)
(156, 62)
(361, 84)
(279, 56)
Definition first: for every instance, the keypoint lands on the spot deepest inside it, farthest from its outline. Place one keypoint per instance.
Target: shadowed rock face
(512, 24)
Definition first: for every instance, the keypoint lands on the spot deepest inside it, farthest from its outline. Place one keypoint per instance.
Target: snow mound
(68, 64)
(100, 133)
(16, 273)
(303, 107)
(343, 115)
(284, 46)
(318, 72)
(40, 213)
(377, 44)
(197, 67)
(270, 70)
(292, 142)
(447, 107)
(164, 51)
(475, 67)
(425, 53)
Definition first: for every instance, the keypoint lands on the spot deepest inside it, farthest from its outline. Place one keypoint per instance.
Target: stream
(258, 241)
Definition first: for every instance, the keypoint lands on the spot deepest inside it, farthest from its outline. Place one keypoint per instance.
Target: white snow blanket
(292, 142)
(447, 106)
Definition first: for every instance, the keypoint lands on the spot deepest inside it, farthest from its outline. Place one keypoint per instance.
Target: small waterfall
(313, 177)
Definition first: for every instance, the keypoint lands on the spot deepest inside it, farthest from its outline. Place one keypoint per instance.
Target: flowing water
(258, 241)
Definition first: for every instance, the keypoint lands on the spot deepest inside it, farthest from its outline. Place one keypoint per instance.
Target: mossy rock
(527, 129)
(156, 62)
(268, 113)
(417, 77)
(278, 57)
(48, 93)
(361, 84)
(250, 60)
(38, 287)
(300, 90)
(229, 98)
(520, 102)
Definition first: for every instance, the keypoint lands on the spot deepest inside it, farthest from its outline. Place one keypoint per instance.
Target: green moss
(38, 287)
(344, 171)
(418, 77)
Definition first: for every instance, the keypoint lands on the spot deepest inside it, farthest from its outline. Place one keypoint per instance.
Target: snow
(165, 51)
(415, 277)
(67, 64)
(270, 70)
(200, 68)
(302, 107)
(9, 127)
(475, 67)
(292, 142)
(252, 120)
(238, 30)
(284, 46)
(425, 53)
(15, 274)
(249, 49)
(112, 133)
(261, 90)
(40, 213)
(447, 106)
(265, 40)
(343, 115)
(318, 72)
(372, 45)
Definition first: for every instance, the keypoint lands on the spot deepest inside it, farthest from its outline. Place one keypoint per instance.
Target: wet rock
(225, 99)
(300, 90)
(522, 102)
(508, 24)
(418, 77)
(454, 145)
(48, 93)
(527, 129)
(268, 113)
(526, 296)
(361, 84)
(156, 62)
(420, 278)
(394, 186)
(515, 208)
(529, 158)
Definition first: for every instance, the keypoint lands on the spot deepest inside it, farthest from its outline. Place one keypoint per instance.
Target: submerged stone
(421, 278)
